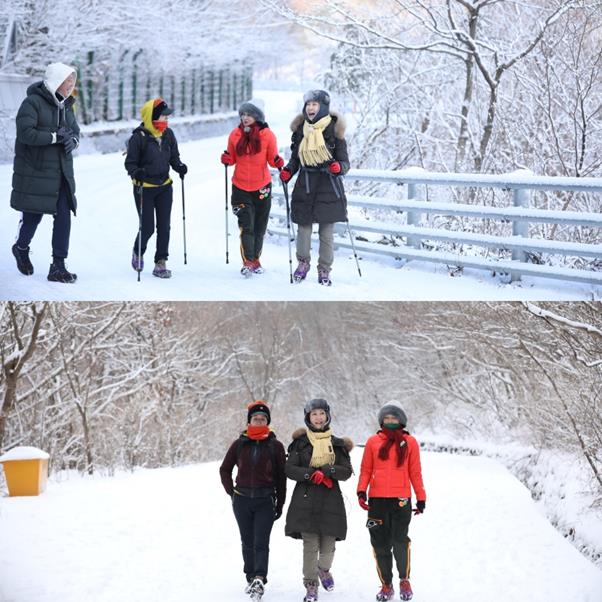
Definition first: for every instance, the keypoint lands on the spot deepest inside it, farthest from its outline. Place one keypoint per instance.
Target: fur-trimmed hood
(340, 125)
(347, 442)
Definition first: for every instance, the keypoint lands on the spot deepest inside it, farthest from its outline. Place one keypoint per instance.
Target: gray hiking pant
(318, 551)
(326, 249)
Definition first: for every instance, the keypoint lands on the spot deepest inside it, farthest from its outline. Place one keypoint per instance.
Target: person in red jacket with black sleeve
(390, 470)
(259, 494)
(252, 147)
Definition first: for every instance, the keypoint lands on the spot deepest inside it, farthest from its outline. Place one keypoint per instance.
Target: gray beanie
(254, 108)
(392, 410)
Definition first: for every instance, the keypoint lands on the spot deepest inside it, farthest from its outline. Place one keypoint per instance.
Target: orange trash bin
(26, 470)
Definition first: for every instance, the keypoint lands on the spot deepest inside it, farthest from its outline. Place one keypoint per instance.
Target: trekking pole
(184, 220)
(226, 182)
(288, 227)
(357, 263)
(139, 266)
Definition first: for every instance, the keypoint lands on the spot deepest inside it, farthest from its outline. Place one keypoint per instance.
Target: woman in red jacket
(390, 470)
(251, 148)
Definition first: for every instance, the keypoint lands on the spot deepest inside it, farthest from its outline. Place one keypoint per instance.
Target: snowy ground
(103, 233)
(169, 534)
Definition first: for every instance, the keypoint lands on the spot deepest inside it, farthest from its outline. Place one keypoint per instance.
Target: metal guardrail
(520, 215)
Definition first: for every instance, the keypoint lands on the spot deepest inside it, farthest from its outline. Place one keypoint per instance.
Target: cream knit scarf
(323, 452)
(312, 150)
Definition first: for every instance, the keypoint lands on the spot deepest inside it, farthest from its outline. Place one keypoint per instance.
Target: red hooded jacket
(383, 478)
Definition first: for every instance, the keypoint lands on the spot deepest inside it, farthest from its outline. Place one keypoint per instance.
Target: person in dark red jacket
(390, 470)
(252, 147)
(259, 494)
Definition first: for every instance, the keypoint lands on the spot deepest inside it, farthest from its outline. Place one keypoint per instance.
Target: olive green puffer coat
(39, 165)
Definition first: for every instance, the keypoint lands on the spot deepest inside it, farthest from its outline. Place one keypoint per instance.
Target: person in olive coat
(319, 154)
(43, 180)
(259, 493)
(317, 461)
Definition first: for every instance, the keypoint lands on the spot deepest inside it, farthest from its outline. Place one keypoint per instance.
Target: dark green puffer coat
(39, 164)
(315, 508)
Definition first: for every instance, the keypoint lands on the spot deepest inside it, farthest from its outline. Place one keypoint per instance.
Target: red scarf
(397, 437)
(249, 142)
(160, 125)
(257, 433)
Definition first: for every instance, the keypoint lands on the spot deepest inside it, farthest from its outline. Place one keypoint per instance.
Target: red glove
(285, 175)
(278, 162)
(227, 159)
(362, 501)
(327, 482)
(334, 168)
(317, 477)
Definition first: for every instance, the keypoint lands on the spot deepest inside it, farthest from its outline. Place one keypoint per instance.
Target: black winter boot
(59, 273)
(23, 263)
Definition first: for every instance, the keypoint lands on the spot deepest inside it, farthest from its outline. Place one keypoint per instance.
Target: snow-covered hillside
(169, 535)
(102, 237)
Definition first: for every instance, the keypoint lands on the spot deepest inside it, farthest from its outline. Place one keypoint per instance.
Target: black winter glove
(420, 506)
(139, 173)
(66, 137)
(182, 170)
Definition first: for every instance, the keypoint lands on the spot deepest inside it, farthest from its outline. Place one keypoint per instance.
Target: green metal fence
(114, 87)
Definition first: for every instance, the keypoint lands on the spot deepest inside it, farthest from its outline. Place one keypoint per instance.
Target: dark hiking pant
(252, 210)
(61, 227)
(156, 201)
(388, 523)
(255, 517)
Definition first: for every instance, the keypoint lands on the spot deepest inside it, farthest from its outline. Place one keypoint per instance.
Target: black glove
(277, 513)
(139, 173)
(66, 137)
(182, 170)
(420, 506)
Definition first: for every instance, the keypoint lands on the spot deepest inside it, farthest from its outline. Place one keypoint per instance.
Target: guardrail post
(413, 217)
(521, 198)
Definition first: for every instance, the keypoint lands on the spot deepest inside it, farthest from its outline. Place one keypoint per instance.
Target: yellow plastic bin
(26, 470)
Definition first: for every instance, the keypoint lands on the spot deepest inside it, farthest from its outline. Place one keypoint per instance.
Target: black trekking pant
(253, 211)
(388, 523)
(156, 200)
(255, 517)
(61, 227)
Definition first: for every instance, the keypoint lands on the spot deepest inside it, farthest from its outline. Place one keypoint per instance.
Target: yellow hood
(147, 118)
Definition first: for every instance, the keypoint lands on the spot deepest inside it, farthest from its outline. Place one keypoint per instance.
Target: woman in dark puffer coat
(317, 461)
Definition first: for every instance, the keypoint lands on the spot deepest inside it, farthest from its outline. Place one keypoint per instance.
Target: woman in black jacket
(259, 494)
(317, 461)
(151, 150)
(319, 153)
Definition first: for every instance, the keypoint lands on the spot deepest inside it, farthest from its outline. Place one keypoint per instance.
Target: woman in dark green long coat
(317, 461)
(43, 181)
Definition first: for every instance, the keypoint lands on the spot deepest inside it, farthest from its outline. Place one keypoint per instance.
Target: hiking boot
(256, 588)
(160, 271)
(405, 590)
(301, 270)
(59, 273)
(311, 591)
(326, 579)
(23, 263)
(257, 267)
(247, 268)
(386, 593)
(324, 276)
(137, 262)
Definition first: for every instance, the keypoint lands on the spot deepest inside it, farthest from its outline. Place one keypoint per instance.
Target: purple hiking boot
(326, 579)
(311, 591)
(137, 262)
(301, 270)
(160, 270)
